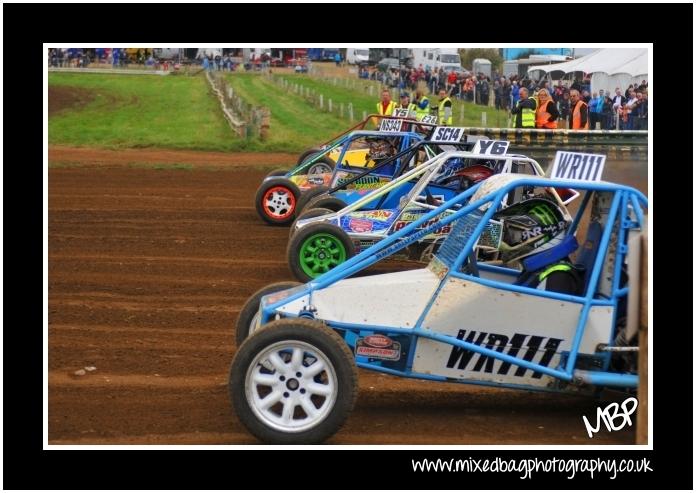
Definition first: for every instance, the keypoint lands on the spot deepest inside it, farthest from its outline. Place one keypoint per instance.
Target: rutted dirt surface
(147, 272)
(63, 97)
(90, 157)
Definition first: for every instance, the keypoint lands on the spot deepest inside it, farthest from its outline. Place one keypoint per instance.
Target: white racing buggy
(322, 239)
(564, 320)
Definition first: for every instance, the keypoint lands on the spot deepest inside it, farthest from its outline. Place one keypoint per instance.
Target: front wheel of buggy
(294, 383)
(276, 201)
(316, 249)
(248, 315)
(308, 215)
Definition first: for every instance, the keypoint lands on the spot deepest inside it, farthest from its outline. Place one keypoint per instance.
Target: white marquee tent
(610, 67)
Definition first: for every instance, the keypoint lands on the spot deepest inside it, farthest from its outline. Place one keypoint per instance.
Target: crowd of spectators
(629, 107)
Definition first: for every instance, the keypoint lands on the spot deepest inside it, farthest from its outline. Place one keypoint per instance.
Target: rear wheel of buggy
(276, 201)
(303, 157)
(327, 202)
(316, 249)
(277, 172)
(308, 214)
(321, 166)
(309, 195)
(295, 382)
(248, 315)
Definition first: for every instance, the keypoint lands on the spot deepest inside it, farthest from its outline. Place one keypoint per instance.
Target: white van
(357, 56)
(445, 58)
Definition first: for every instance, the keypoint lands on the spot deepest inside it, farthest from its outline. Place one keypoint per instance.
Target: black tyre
(308, 195)
(246, 319)
(276, 201)
(307, 215)
(295, 382)
(316, 249)
(306, 154)
(277, 172)
(326, 202)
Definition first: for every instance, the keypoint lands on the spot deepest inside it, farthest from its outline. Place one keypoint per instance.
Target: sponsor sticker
(360, 225)
(379, 347)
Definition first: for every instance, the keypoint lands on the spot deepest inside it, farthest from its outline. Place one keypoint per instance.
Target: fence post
(350, 111)
(461, 114)
(265, 123)
(330, 108)
(364, 115)
(341, 109)
(321, 101)
(370, 90)
(483, 119)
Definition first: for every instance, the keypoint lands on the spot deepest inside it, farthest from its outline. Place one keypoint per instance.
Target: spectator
(498, 94)
(628, 110)
(337, 58)
(525, 109)
(507, 95)
(515, 94)
(485, 88)
(607, 114)
(406, 103)
(385, 106)
(564, 106)
(639, 112)
(451, 80)
(421, 102)
(596, 104)
(578, 112)
(546, 113)
(444, 109)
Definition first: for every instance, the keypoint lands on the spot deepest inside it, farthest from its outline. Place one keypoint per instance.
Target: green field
(363, 101)
(180, 112)
(295, 124)
(141, 111)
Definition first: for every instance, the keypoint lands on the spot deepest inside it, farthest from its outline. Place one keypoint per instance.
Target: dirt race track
(148, 269)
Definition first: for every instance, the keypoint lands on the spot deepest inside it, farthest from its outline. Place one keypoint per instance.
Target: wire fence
(246, 120)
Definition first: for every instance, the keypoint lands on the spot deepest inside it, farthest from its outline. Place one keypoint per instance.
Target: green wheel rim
(320, 253)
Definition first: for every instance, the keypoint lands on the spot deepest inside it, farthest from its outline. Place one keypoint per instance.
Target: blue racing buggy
(550, 318)
(276, 198)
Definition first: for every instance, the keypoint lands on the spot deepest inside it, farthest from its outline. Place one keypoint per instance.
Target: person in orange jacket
(546, 113)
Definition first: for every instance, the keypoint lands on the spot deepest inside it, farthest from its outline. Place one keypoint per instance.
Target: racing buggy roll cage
(624, 213)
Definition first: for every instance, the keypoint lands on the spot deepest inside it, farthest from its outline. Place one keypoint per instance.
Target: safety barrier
(616, 144)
